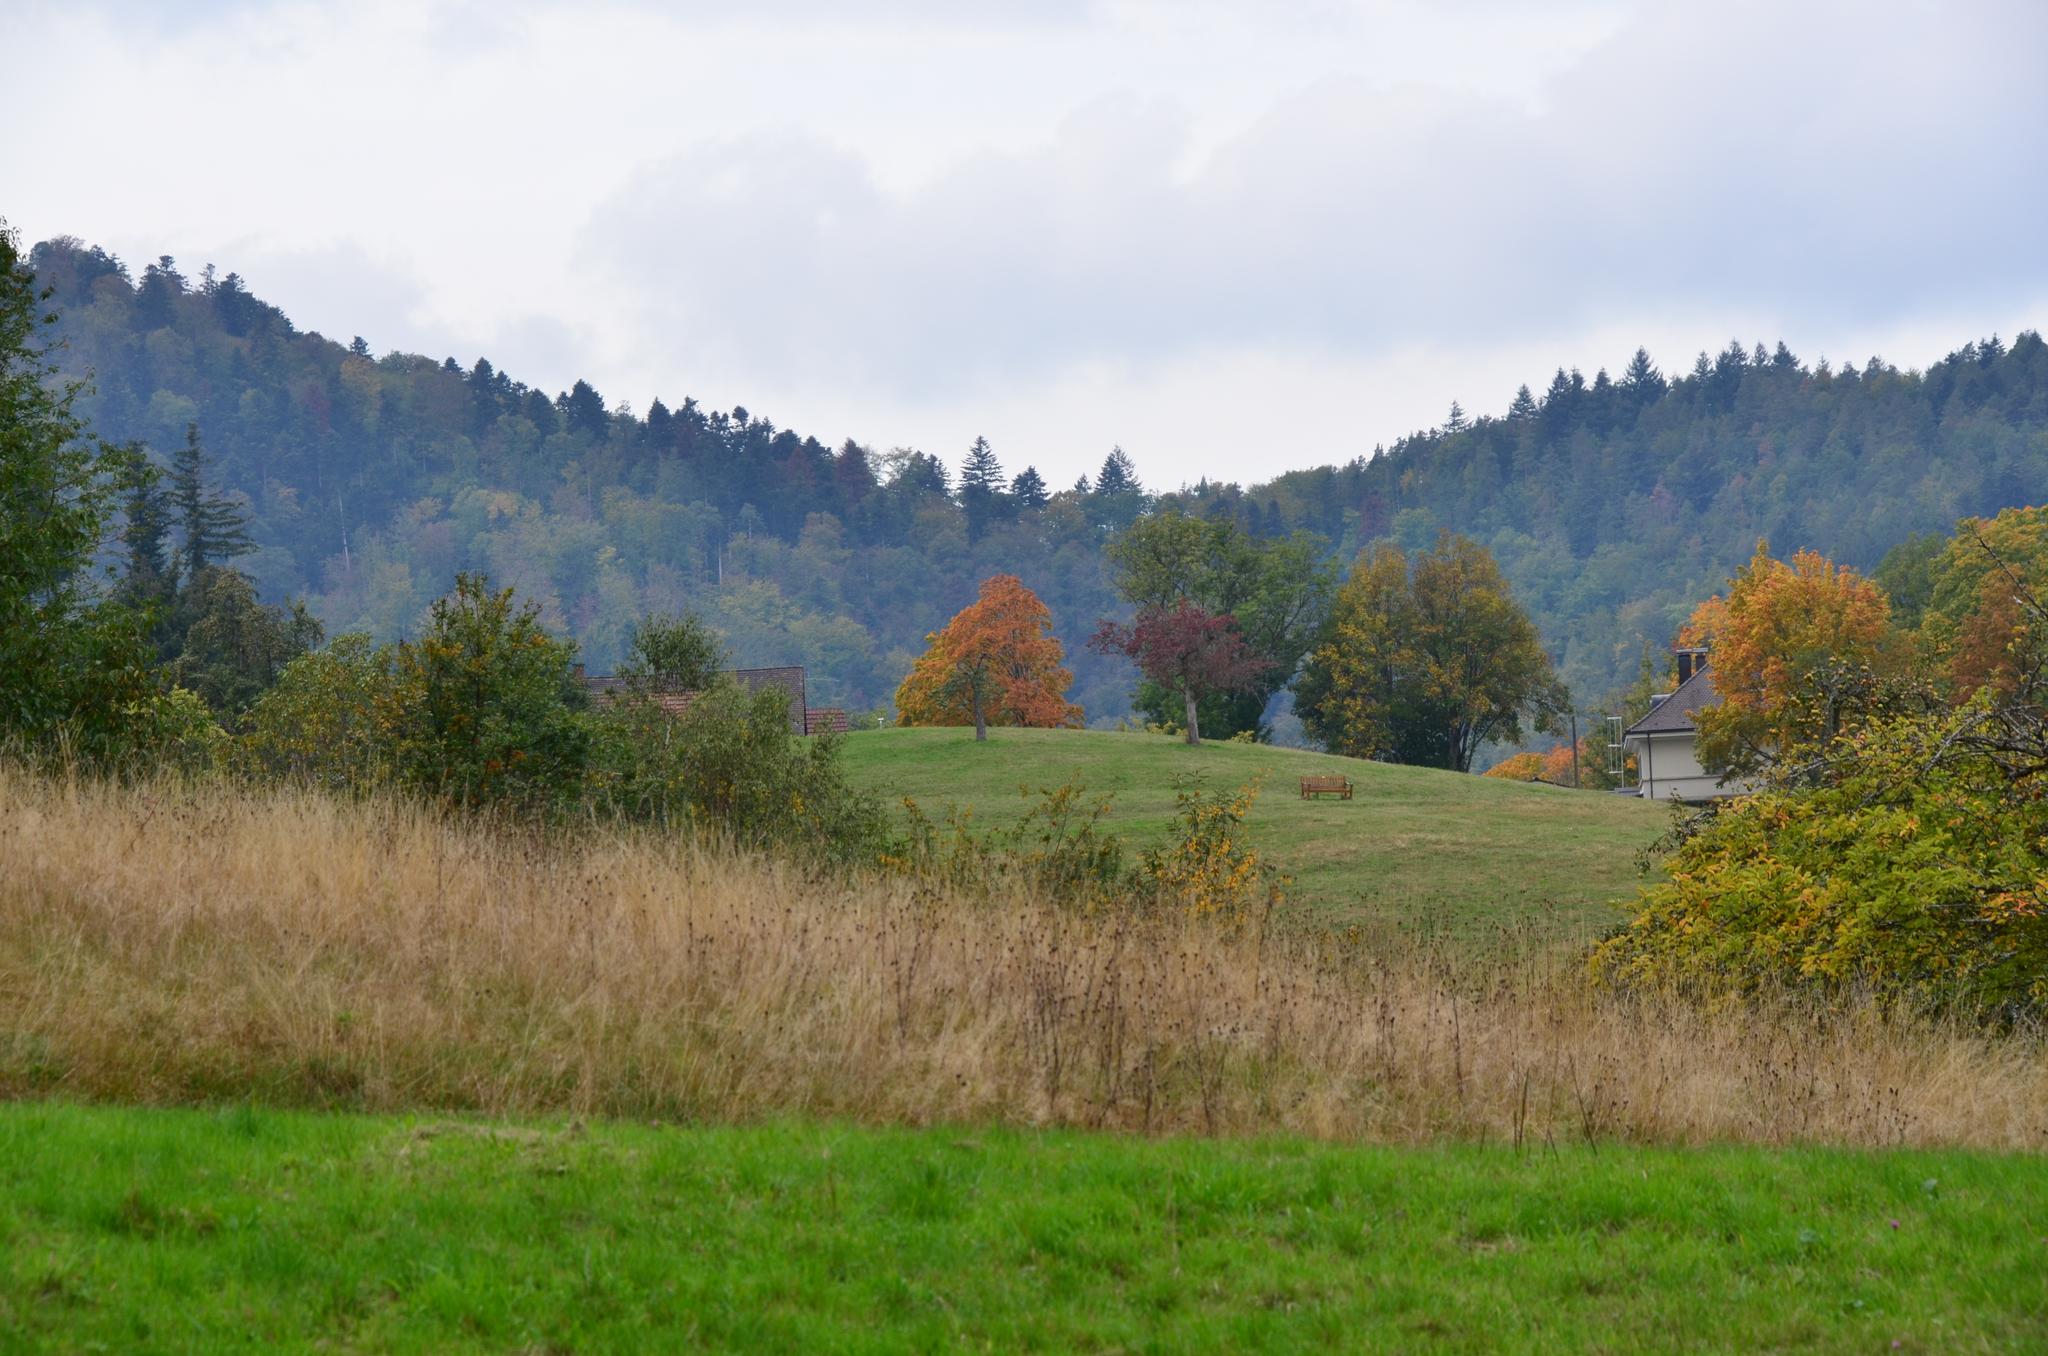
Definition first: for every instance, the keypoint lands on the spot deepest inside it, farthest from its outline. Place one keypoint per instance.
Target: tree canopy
(1426, 661)
(995, 661)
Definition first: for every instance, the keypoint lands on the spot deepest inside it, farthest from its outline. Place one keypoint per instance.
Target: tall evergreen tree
(1641, 378)
(72, 666)
(1523, 406)
(1118, 475)
(1456, 422)
(148, 574)
(1028, 490)
(981, 488)
(214, 527)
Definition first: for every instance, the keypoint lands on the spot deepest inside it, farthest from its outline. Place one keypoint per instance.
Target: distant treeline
(1613, 505)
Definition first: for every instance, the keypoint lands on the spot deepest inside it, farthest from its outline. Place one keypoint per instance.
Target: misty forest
(1612, 503)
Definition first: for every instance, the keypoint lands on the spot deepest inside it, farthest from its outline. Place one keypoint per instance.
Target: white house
(1667, 761)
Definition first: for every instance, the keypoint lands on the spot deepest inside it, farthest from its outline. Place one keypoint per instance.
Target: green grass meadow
(1413, 848)
(242, 1230)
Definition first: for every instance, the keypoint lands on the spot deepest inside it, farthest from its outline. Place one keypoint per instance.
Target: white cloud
(1231, 237)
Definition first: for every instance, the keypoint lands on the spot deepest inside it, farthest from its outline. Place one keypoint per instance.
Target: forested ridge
(1613, 505)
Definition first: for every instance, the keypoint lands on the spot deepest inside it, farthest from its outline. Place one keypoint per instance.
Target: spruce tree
(215, 528)
(981, 488)
(1028, 490)
(148, 573)
(1641, 377)
(1118, 474)
(1456, 422)
(1523, 406)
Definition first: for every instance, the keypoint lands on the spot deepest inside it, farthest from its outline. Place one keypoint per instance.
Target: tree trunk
(1194, 730)
(980, 720)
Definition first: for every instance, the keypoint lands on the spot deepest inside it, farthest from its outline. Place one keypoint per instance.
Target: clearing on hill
(1414, 848)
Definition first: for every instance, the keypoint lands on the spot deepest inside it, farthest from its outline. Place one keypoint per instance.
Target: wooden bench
(1326, 786)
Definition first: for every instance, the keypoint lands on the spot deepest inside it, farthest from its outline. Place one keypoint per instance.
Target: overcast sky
(1233, 238)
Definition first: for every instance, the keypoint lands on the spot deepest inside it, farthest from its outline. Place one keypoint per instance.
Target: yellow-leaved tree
(996, 661)
(1795, 648)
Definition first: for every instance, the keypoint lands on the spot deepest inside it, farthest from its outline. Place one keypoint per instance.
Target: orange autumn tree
(1794, 649)
(997, 660)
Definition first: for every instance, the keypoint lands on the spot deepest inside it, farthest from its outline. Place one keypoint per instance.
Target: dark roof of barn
(1674, 715)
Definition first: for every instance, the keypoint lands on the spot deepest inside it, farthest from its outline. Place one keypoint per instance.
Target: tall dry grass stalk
(166, 945)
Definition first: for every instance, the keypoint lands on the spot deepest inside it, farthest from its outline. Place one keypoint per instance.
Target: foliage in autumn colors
(1188, 651)
(995, 661)
(1795, 647)
(1977, 630)
(1426, 661)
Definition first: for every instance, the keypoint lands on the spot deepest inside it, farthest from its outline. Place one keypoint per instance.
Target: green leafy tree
(729, 765)
(75, 668)
(329, 718)
(1427, 662)
(484, 707)
(1276, 592)
(674, 654)
(235, 646)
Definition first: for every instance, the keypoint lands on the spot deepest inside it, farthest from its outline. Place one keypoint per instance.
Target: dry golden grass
(170, 945)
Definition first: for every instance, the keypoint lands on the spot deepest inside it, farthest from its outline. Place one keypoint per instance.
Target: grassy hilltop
(1413, 846)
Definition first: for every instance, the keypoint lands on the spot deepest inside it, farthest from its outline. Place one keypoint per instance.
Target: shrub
(328, 717)
(731, 764)
(1060, 848)
(1211, 867)
(1909, 860)
(483, 708)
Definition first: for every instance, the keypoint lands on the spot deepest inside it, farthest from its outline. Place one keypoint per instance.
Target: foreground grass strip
(127, 1229)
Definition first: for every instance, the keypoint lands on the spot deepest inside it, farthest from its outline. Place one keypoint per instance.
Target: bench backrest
(1326, 783)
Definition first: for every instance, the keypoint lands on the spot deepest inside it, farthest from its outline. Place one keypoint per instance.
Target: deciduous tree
(1795, 649)
(996, 660)
(1426, 663)
(1187, 650)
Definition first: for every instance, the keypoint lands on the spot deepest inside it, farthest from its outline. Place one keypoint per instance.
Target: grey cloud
(1828, 163)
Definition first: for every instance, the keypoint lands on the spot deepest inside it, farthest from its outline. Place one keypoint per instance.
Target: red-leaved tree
(1185, 649)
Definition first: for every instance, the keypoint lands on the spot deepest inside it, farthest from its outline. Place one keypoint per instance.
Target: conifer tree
(1028, 489)
(149, 574)
(981, 488)
(214, 526)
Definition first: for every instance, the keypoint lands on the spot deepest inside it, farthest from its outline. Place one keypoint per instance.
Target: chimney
(1691, 659)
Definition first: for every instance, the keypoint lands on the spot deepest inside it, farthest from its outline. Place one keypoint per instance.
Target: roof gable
(1674, 715)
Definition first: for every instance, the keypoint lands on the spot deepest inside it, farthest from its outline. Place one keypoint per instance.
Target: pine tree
(1118, 475)
(1641, 377)
(162, 285)
(1028, 489)
(1456, 422)
(1783, 358)
(1524, 404)
(981, 488)
(215, 528)
(148, 573)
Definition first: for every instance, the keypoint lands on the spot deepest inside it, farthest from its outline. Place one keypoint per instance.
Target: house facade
(1665, 742)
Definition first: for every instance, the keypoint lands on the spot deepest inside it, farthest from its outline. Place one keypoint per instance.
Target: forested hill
(1612, 505)
(1615, 506)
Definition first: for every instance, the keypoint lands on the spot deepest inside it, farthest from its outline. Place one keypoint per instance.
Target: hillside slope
(1414, 848)
(1612, 505)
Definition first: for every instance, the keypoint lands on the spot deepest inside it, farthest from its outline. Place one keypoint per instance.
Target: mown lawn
(1414, 848)
(129, 1230)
